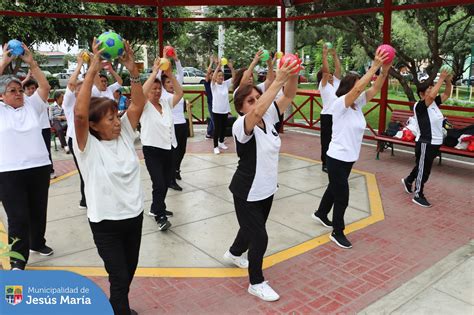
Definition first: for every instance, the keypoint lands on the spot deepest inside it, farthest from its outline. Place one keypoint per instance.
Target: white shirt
(111, 172)
(348, 126)
(429, 122)
(220, 97)
(178, 110)
(256, 177)
(158, 129)
(69, 102)
(44, 117)
(109, 92)
(21, 143)
(328, 94)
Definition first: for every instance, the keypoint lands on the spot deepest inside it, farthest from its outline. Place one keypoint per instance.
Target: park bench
(385, 142)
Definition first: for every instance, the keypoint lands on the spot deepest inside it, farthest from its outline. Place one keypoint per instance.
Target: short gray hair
(5, 81)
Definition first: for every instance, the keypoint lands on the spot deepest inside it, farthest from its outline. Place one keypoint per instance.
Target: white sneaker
(263, 291)
(239, 261)
(52, 175)
(151, 214)
(66, 148)
(222, 146)
(216, 151)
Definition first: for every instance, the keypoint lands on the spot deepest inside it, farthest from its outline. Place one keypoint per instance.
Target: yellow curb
(376, 210)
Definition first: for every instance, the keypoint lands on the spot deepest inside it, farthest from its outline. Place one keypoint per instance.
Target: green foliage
(6, 250)
(53, 82)
(241, 46)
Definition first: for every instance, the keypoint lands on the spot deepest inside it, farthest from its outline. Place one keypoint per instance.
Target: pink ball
(170, 52)
(388, 49)
(291, 58)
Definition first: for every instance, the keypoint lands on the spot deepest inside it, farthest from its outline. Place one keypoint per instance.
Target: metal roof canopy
(386, 9)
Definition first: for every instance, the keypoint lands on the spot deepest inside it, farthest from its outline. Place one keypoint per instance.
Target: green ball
(447, 68)
(265, 55)
(329, 45)
(112, 43)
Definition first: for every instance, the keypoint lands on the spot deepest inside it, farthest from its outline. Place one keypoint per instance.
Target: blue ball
(16, 48)
(110, 42)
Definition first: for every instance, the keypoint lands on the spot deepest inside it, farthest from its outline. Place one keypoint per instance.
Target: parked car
(195, 71)
(466, 81)
(301, 77)
(62, 79)
(193, 78)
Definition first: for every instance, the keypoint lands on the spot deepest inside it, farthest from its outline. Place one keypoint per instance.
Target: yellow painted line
(376, 215)
(64, 176)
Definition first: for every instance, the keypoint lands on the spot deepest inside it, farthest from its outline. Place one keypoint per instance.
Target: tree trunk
(405, 85)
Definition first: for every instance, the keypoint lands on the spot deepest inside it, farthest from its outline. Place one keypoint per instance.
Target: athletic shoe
(263, 291)
(45, 251)
(151, 214)
(209, 137)
(82, 205)
(163, 224)
(222, 146)
(17, 265)
(168, 213)
(407, 186)
(52, 175)
(239, 261)
(178, 175)
(421, 201)
(325, 169)
(340, 240)
(175, 186)
(323, 220)
(216, 150)
(66, 148)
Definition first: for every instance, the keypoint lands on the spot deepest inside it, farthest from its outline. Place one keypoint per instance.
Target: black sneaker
(323, 220)
(168, 213)
(325, 169)
(421, 201)
(175, 186)
(407, 186)
(163, 224)
(17, 265)
(340, 240)
(82, 205)
(178, 175)
(44, 251)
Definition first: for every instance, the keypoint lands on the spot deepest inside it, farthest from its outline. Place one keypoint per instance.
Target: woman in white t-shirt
(24, 161)
(328, 85)
(347, 134)
(106, 155)
(220, 105)
(159, 139)
(255, 180)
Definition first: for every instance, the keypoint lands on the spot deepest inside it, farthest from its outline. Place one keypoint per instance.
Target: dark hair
(57, 95)
(238, 77)
(101, 75)
(319, 76)
(98, 108)
(163, 78)
(29, 83)
(347, 83)
(424, 85)
(241, 94)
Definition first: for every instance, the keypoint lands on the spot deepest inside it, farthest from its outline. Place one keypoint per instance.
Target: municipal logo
(14, 294)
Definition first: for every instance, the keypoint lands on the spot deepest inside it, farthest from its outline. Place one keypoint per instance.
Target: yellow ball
(164, 64)
(223, 61)
(279, 55)
(85, 56)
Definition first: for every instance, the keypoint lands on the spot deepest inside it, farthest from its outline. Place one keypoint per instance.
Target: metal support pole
(160, 30)
(387, 30)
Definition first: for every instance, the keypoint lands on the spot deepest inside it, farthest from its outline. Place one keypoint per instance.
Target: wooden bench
(385, 142)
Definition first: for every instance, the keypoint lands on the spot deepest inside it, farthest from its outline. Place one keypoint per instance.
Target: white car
(62, 78)
(191, 77)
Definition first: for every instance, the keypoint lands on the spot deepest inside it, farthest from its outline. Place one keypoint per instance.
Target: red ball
(291, 58)
(170, 52)
(389, 50)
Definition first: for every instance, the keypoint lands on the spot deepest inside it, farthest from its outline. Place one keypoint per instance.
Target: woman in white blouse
(24, 161)
(159, 139)
(347, 134)
(110, 167)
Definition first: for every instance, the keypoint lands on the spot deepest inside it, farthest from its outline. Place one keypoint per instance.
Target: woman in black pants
(69, 102)
(347, 134)
(255, 181)
(220, 105)
(24, 161)
(159, 140)
(105, 150)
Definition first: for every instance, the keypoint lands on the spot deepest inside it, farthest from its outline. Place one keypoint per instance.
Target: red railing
(309, 119)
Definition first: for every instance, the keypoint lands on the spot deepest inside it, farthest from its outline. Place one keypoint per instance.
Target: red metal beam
(160, 31)
(283, 29)
(222, 19)
(335, 14)
(387, 36)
